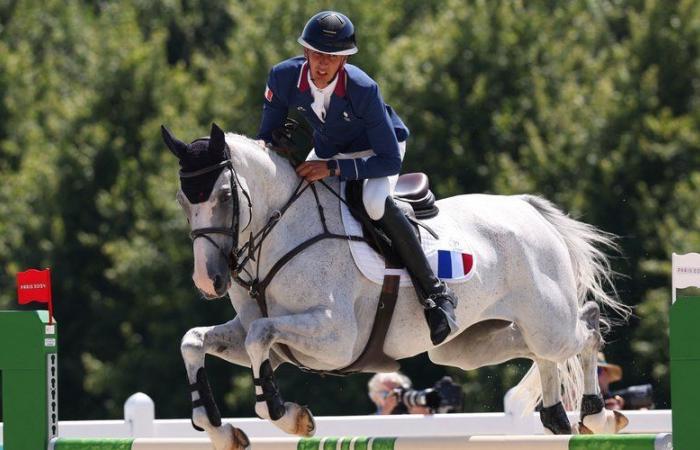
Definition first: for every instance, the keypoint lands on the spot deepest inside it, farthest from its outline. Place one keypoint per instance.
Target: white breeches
(375, 190)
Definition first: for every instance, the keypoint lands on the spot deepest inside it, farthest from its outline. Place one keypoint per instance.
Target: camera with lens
(636, 397)
(444, 397)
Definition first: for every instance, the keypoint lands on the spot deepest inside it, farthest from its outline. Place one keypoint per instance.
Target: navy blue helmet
(329, 32)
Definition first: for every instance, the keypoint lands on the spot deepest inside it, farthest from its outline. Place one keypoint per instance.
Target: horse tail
(593, 274)
(522, 399)
(591, 266)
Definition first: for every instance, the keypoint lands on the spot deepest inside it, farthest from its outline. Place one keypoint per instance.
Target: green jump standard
(29, 365)
(685, 372)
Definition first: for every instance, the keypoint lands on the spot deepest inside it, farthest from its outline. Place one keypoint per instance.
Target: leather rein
(254, 284)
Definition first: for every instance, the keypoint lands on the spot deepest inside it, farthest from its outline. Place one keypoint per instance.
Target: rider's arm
(382, 139)
(275, 108)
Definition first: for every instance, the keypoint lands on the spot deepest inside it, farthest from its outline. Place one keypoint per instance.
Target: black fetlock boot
(439, 300)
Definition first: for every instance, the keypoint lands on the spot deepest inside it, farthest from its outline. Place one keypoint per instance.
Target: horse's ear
(174, 144)
(217, 140)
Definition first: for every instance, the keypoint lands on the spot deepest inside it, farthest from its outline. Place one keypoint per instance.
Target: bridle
(233, 231)
(239, 257)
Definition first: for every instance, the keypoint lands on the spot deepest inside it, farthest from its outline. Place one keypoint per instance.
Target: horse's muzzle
(209, 296)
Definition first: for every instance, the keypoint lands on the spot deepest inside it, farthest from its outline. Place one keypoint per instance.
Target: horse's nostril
(218, 283)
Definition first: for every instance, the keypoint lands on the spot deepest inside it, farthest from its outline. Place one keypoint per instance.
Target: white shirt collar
(322, 97)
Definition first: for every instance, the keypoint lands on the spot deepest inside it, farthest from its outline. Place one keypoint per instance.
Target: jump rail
(596, 442)
(472, 424)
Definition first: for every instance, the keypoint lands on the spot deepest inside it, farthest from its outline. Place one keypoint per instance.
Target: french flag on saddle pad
(452, 264)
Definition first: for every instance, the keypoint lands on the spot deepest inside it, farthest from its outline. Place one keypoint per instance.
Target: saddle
(414, 189)
(412, 194)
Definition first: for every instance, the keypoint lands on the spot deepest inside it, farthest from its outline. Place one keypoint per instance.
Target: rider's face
(323, 66)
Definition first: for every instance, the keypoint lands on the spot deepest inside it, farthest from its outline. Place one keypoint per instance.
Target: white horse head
(209, 197)
(216, 197)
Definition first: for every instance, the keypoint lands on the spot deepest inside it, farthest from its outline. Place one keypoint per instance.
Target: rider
(356, 136)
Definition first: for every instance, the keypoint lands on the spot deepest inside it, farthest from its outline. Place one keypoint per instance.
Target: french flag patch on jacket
(452, 264)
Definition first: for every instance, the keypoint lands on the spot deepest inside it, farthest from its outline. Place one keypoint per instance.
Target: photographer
(392, 394)
(632, 397)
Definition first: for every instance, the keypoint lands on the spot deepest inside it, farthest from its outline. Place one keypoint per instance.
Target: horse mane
(279, 156)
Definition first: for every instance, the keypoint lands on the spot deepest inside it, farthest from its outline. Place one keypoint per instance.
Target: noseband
(205, 232)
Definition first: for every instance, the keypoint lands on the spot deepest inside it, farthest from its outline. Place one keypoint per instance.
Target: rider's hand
(313, 170)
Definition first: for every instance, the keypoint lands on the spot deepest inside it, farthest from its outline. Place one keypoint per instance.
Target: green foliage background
(593, 104)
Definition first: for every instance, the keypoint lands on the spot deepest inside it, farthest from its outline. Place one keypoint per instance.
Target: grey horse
(538, 268)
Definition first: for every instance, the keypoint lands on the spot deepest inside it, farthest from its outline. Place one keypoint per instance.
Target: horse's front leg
(311, 333)
(227, 342)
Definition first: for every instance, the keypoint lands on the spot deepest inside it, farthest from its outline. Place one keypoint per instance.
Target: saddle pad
(450, 256)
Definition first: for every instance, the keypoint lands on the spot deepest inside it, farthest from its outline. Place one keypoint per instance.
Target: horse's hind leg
(594, 417)
(496, 341)
(552, 414)
(227, 342)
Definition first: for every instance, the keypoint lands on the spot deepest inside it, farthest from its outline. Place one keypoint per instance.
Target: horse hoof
(582, 429)
(607, 421)
(240, 439)
(304, 423)
(228, 437)
(621, 421)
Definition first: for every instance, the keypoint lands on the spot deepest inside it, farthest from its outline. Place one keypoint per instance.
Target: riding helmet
(329, 32)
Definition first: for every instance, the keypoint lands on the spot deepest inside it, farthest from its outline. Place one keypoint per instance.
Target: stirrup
(446, 294)
(451, 319)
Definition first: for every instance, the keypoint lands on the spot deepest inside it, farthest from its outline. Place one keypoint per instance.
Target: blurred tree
(591, 104)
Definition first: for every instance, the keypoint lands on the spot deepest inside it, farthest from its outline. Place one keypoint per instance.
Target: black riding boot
(439, 300)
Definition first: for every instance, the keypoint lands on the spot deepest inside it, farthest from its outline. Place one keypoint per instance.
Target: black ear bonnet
(198, 156)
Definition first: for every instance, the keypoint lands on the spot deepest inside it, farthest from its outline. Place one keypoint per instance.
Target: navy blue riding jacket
(357, 118)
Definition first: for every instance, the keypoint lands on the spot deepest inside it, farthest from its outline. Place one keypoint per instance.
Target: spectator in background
(383, 391)
(608, 374)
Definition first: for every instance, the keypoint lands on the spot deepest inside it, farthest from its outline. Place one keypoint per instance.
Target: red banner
(35, 286)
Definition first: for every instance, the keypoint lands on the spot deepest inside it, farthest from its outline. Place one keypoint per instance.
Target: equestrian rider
(356, 137)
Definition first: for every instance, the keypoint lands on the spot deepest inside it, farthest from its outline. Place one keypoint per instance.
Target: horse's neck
(270, 178)
(272, 182)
